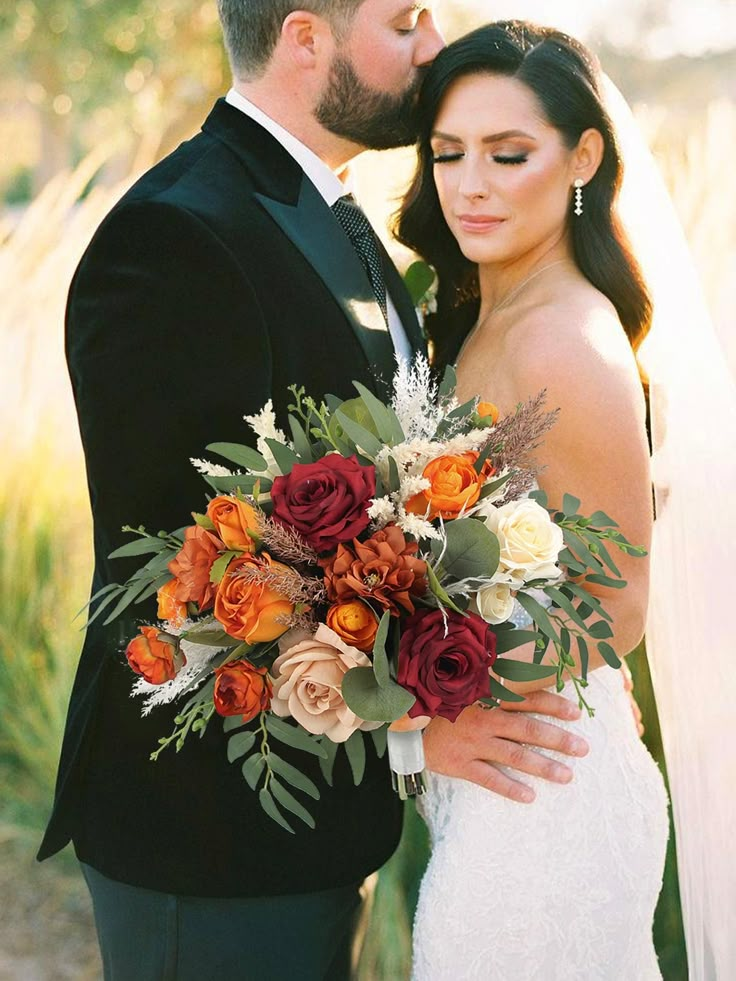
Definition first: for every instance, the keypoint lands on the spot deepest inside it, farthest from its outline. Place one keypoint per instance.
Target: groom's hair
(252, 27)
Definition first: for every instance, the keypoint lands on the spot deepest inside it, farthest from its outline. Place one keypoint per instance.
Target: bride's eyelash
(440, 158)
(520, 159)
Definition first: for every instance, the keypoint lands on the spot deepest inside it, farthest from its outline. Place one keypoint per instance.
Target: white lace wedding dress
(563, 888)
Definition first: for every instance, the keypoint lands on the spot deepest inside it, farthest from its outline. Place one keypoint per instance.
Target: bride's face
(503, 173)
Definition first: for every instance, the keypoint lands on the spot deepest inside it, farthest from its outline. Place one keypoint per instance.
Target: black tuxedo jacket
(218, 280)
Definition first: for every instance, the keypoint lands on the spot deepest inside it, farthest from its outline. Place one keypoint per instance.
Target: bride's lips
(479, 224)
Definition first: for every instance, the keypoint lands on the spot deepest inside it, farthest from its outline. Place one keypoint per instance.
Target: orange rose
(169, 607)
(157, 660)
(234, 519)
(242, 689)
(252, 610)
(192, 564)
(355, 623)
(454, 485)
(487, 410)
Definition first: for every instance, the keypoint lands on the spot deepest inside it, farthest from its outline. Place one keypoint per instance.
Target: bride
(513, 204)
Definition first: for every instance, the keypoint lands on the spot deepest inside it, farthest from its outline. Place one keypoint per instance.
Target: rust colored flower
(354, 622)
(454, 485)
(156, 660)
(192, 564)
(242, 689)
(234, 519)
(169, 607)
(250, 609)
(384, 568)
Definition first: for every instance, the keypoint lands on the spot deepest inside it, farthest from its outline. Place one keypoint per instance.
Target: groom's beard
(375, 120)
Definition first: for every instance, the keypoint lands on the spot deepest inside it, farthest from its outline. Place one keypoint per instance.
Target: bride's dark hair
(565, 78)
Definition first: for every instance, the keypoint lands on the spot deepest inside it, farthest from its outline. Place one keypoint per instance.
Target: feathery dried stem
(286, 544)
(520, 434)
(293, 586)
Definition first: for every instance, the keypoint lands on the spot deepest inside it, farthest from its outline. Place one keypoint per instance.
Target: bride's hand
(480, 740)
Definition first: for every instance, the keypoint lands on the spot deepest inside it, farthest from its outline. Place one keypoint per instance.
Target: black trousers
(153, 936)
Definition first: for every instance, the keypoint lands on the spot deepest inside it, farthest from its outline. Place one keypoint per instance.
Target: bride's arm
(597, 450)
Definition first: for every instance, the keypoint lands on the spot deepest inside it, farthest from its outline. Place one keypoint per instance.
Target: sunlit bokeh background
(91, 93)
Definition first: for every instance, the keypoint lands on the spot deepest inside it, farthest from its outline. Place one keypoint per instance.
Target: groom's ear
(307, 38)
(587, 155)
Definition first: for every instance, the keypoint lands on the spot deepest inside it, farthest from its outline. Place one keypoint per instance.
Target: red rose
(447, 671)
(242, 689)
(327, 502)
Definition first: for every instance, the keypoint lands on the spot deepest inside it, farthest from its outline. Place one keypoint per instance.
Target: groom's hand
(480, 740)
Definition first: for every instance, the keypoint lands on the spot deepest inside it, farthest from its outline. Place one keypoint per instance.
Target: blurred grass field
(45, 549)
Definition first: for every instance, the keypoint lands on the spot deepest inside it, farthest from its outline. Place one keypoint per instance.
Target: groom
(224, 275)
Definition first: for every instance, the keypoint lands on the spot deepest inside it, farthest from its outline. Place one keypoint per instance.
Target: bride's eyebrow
(494, 138)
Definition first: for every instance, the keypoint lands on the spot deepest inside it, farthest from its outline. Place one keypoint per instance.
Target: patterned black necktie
(358, 229)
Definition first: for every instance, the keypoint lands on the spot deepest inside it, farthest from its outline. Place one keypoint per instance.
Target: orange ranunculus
(454, 485)
(487, 410)
(242, 689)
(192, 564)
(157, 660)
(169, 607)
(253, 610)
(354, 622)
(234, 519)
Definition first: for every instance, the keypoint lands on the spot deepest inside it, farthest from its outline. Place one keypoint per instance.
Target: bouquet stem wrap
(406, 759)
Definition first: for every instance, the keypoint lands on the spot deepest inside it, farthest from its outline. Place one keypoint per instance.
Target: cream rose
(308, 685)
(495, 603)
(530, 542)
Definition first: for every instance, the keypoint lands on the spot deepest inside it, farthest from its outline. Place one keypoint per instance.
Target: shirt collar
(325, 180)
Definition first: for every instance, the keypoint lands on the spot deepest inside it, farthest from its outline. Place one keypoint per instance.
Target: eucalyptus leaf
(606, 581)
(244, 456)
(203, 521)
(510, 639)
(606, 556)
(448, 383)
(601, 520)
(374, 702)
(294, 736)
(521, 670)
(380, 741)
(394, 480)
(584, 656)
(360, 436)
(380, 659)
(284, 456)
(327, 762)
(242, 482)
(301, 441)
(210, 637)
(153, 588)
(252, 769)
(472, 549)
(290, 802)
(418, 278)
(538, 614)
(378, 413)
(600, 630)
(355, 749)
(130, 594)
(240, 744)
(269, 806)
(293, 776)
(540, 497)
(609, 655)
(105, 603)
(592, 601)
(570, 505)
(566, 604)
(505, 694)
(231, 722)
(141, 546)
(580, 549)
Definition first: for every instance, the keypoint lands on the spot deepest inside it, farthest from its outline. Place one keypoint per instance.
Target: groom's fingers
(545, 703)
(524, 731)
(498, 782)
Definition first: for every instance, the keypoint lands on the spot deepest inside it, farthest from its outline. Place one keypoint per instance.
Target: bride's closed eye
(449, 156)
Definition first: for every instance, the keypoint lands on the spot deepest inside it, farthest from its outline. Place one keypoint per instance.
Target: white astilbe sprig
(208, 469)
(199, 657)
(416, 399)
(382, 512)
(416, 525)
(263, 424)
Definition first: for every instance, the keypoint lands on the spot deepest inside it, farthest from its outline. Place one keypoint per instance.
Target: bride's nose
(473, 179)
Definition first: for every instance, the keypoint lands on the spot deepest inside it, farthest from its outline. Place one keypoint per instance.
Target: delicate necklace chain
(512, 294)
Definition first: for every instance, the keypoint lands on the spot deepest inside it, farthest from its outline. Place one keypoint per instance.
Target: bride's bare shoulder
(574, 344)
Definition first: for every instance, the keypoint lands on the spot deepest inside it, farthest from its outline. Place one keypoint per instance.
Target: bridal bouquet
(373, 564)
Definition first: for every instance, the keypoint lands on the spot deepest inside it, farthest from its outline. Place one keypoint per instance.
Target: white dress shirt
(329, 186)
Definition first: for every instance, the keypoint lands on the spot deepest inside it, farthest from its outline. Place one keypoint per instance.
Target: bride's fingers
(494, 780)
(545, 703)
